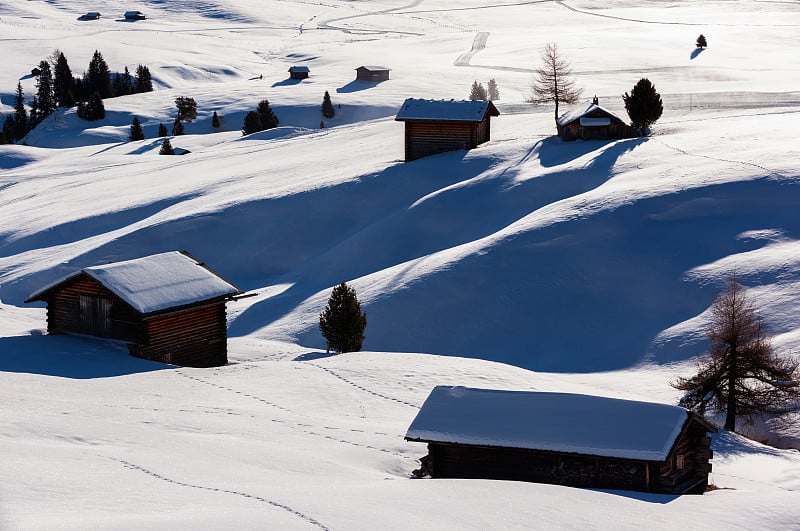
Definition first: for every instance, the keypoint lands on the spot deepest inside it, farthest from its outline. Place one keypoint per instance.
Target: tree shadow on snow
(69, 356)
(648, 497)
(696, 52)
(288, 82)
(311, 356)
(553, 151)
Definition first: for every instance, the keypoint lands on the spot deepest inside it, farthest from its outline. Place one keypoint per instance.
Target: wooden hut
(134, 15)
(298, 72)
(437, 126)
(372, 73)
(169, 307)
(564, 439)
(91, 15)
(593, 123)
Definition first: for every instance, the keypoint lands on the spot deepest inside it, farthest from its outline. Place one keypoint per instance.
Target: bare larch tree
(552, 81)
(740, 375)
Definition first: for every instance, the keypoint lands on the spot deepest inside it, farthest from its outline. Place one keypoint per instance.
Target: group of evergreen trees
(261, 119)
(478, 92)
(57, 87)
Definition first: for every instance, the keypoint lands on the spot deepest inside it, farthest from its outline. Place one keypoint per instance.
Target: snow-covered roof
(157, 282)
(373, 68)
(577, 114)
(445, 110)
(557, 422)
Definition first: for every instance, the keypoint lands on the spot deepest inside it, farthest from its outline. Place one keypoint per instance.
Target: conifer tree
(177, 127)
(93, 109)
(44, 91)
(477, 92)
(20, 114)
(63, 83)
(8, 129)
(33, 116)
(266, 115)
(166, 148)
(162, 130)
(98, 78)
(740, 375)
(493, 91)
(215, 120)
(327, 107)
(136, 130)
(342, 324)
(252, 123)
(144, 82)
(187, 108)
(643, 105)
(701, 41)
(3, 138)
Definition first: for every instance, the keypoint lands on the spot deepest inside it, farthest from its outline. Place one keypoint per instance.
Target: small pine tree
(342, 324)
(144, 82)
(701, 41)
(327, 107)
(177, 127)
(63, 83)
(162, 130)
(166, 148)
(93, 109)
(477, 92)
(252, 123)
(136, 130)
(98, 77)
(493, 91)
(187, 108)
(44, 91)
(215, 120)
(267, 116)
(643, 105)
(20, 114)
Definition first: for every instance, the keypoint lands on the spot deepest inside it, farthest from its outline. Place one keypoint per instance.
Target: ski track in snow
(308, 429)
(295, 512)
(326, 24)
(478, 44)
(362, 388)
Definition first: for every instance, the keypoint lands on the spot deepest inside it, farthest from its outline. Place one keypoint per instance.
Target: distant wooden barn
(134, 15)
(437, 126)
(372, 73)
(169, 307)
(593, 123)
(564, 439)
(91, 15)
(298, 72)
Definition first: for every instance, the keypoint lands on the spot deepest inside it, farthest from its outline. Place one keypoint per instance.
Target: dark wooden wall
(196, 337)
(298, 75)
(688, 465)
(424, 138)
(363, 74)
(84, 306)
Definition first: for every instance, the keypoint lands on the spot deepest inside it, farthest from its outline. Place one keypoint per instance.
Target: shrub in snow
(166, 148)
(136, 130)
(741, 375)
(643, 105)
(327, 107)
(342, 324)
(215, 120)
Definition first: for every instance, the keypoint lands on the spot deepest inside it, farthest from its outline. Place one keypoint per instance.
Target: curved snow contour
(478, 44)
(327, 24)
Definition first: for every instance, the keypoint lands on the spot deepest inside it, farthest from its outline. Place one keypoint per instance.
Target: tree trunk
(730, 417)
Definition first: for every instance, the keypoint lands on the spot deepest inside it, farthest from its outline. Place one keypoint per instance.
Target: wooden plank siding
(196, 337)
(424, 138)
(73, 308)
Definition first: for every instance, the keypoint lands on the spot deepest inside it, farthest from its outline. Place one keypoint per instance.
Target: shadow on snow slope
(70, 357)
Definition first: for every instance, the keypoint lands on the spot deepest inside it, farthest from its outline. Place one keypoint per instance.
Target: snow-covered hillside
(528, 263)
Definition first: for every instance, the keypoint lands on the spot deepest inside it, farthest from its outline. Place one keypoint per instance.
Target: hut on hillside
(169, 307)
(564, 439)
(91, 15)
(437, 126)
(372, 73)
(298, 72)
(134, 15)
(593, 123)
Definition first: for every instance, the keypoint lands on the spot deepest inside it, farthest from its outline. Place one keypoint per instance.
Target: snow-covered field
(527, 263)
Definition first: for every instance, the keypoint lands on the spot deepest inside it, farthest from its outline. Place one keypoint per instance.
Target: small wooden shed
(169, 307)
(437, 126)
(91, 15)
(593, 123)
(564, 439)
(134, 15)
(372, 73)
(298, 72)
